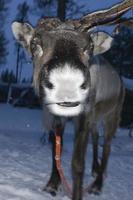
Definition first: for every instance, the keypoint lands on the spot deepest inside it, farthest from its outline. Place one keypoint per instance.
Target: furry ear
(102, 42)
(23, 32)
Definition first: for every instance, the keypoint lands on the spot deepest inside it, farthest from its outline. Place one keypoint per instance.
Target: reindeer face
(62, 60)
(65, 89)
(64, 81)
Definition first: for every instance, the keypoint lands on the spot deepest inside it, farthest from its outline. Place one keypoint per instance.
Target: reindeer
(73, 80)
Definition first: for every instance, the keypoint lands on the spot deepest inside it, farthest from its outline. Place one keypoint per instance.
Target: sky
(28, 68)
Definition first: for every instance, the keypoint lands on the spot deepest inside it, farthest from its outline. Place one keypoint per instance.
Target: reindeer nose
(69, 104)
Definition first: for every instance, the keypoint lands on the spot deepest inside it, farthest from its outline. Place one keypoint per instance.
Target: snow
(25, 163)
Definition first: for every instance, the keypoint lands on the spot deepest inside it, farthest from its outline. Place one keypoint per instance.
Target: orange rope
(59, 167)
(66, 185)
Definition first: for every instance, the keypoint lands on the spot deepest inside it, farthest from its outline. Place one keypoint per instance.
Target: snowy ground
(25, 164)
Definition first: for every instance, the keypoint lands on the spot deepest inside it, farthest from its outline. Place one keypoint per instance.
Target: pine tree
(60, 8)
(121, 53)
(22, 16)
(7, 76)
(44, 8)
(3, 40)
(23, 9)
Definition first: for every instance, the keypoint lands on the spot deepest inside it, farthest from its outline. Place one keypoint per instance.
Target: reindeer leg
(54, 181)
(111, 124)
(78, 160)
(95, 164)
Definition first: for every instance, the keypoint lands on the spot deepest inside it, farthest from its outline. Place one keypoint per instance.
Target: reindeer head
(62, 54)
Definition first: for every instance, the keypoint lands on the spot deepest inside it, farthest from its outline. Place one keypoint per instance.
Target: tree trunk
(61, 9)
(17, 62)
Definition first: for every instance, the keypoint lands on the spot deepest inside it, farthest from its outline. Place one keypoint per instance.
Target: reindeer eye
(83, 86)
(49, 85)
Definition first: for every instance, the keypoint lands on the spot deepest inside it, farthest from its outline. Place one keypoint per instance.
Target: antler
(123, 21)
(102, 17)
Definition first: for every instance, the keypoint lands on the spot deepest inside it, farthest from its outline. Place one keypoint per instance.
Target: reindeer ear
(102, 42)
(23, 32)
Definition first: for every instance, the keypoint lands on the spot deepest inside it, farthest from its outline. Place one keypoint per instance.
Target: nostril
(49, 85)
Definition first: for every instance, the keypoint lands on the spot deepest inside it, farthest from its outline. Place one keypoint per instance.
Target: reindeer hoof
(50, 189)
(94, 190)
(52, 185)
(95, 187)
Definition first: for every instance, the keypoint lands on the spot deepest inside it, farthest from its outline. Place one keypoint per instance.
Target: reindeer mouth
(68, 104)
(67, 109)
